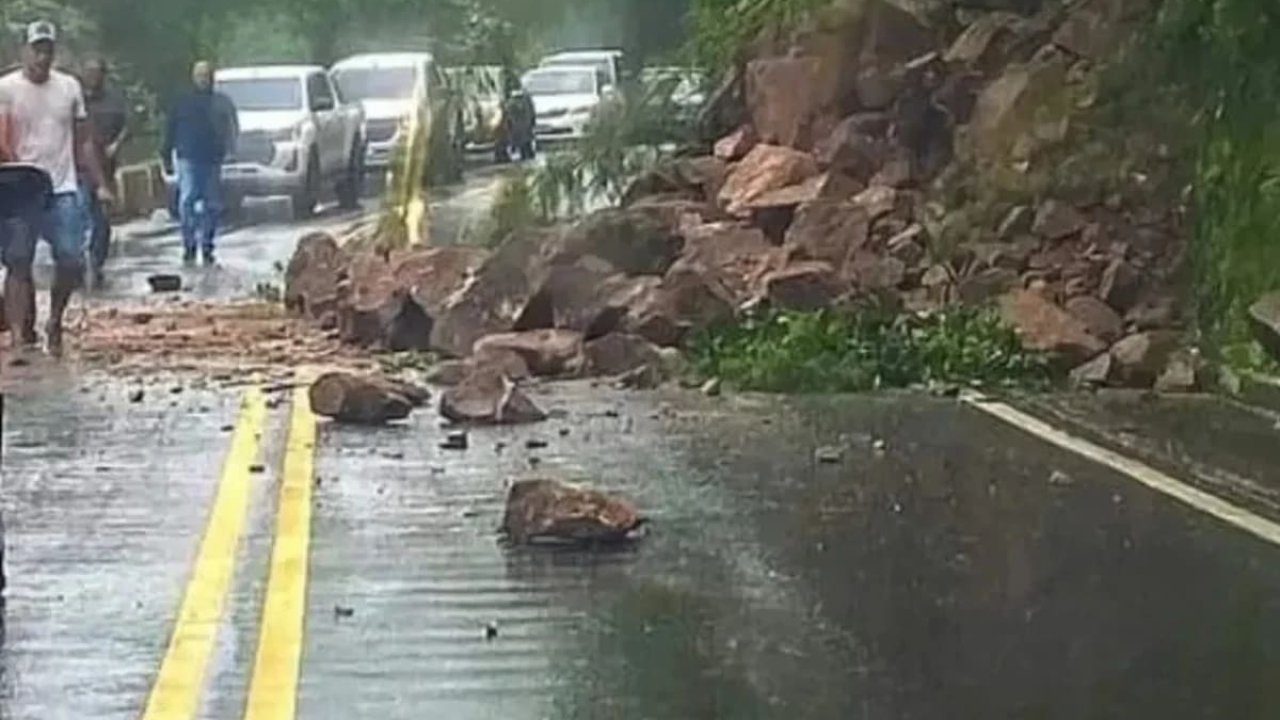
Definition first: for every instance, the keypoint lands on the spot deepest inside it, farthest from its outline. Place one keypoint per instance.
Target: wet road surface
(1117, 560)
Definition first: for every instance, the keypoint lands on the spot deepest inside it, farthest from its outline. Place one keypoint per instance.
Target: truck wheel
(348, 189)
(304, 200)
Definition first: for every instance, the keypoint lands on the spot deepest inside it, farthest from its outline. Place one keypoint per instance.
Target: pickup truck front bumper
(284, 173)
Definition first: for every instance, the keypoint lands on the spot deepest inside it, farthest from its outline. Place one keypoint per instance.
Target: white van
(608, 62)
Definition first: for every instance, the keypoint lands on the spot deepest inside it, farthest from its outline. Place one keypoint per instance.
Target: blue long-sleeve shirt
(202, 127)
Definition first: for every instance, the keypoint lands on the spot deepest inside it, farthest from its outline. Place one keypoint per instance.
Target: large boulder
(313, 278)
(1099, 318)
(785, 96)
(1264, 321)
(620, 353)
(1045, 327)
(379, 312)
(685, 301)
(829, 231)
(856, 146)
(801, 285)
(1139, 359)
(488, 397)
(1011, 109)
(635, 241)
(547, 353)
(434, 275)
(764, 169)
(547, 511)
(497, 295)
(588, 296)
(361, 400)
(730, 255)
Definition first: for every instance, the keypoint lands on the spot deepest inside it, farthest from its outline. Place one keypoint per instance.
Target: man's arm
(122, 134)
(87, 156)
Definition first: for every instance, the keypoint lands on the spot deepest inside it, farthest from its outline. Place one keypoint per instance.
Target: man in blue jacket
(201, 132)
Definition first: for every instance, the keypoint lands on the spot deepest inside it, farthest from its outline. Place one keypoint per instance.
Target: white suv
(296, 136)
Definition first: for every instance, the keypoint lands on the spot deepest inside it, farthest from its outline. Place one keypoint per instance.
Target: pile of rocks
(828, 195)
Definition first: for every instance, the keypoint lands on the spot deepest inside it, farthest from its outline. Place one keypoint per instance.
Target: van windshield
(560, 82)
(392, 83)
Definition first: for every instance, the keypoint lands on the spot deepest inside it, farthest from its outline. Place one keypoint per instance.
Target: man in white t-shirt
(43, 122)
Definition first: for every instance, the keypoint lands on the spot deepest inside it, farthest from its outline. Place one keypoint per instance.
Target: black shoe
(53, 339)
(188, 257)
(209, 259)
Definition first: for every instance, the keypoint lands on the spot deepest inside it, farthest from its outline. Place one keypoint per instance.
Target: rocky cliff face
(906, 156)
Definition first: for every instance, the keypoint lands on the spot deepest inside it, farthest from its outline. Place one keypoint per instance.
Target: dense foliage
(837, 352)
(1223, 56)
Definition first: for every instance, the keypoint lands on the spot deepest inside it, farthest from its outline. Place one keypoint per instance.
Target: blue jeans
(62, 225)
(199, 203)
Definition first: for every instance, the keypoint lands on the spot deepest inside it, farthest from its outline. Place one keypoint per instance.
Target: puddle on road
(943, 576)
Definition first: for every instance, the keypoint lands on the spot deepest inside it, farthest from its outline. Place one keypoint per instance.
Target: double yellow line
(178, 688)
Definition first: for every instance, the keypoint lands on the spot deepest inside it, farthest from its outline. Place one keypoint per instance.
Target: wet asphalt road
(949, 566)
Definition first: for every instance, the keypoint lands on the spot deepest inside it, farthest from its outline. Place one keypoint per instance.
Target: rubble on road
(877, 156)
(548, 511)
(488, 397)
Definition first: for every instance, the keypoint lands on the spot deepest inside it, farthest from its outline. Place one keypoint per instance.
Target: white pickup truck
(297, 138)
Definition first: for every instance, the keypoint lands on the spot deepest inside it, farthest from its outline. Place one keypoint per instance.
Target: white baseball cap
(41, 30)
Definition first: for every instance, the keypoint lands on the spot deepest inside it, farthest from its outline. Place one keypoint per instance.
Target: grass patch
(839, 352)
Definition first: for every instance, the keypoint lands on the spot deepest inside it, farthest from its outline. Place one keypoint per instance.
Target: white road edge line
(1144, 474)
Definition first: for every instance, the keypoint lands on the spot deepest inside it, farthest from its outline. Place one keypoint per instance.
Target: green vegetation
(724, 30)
(1223, 58)
(837, 352)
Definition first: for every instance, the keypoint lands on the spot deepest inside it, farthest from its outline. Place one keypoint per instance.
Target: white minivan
(392, 87)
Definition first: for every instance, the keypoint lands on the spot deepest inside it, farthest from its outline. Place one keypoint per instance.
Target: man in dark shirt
(201, 132)
(109, 122)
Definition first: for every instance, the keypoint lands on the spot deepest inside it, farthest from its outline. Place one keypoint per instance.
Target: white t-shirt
(44, 119)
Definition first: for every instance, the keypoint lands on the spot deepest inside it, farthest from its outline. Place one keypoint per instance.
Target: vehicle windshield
(560, 82)
(386, 83)
(261, 94)
(603, 65)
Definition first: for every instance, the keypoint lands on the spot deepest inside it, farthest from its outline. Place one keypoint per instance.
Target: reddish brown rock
(1046, 327)
(731, 256)
(1093, 374)
(827, 186)
(434, 275)
(876, 272)
(853, 148)
(784, 96)
(546, 511)
(764, 169)
(987, 285)
(736, 145)
(980, 43)
(634, 241)
(1121, 285)
(1139, 359)
(497, 295)
(1098, 317)
(547, 353)
(697, 178)
(487, 397)
(828, 231)
(684, 302)
(620, 353)
(360, 400)
(804, 286)
(378, 312)
(1005, 117)
(877, 201)
(1057, 220)
(312, 280)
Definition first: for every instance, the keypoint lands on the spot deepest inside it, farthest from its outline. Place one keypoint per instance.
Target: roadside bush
(723, 30)
(830, 351)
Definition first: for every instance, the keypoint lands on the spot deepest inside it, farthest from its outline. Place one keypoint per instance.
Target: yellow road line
(1204, 502)
(273, 688)
(178, 686)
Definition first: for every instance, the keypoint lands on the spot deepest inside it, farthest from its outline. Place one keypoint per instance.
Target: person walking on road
(43, 122)
(109, 122)
(201, 131)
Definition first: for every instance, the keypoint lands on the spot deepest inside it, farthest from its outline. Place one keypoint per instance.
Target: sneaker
(188, 257)
(209, 259)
